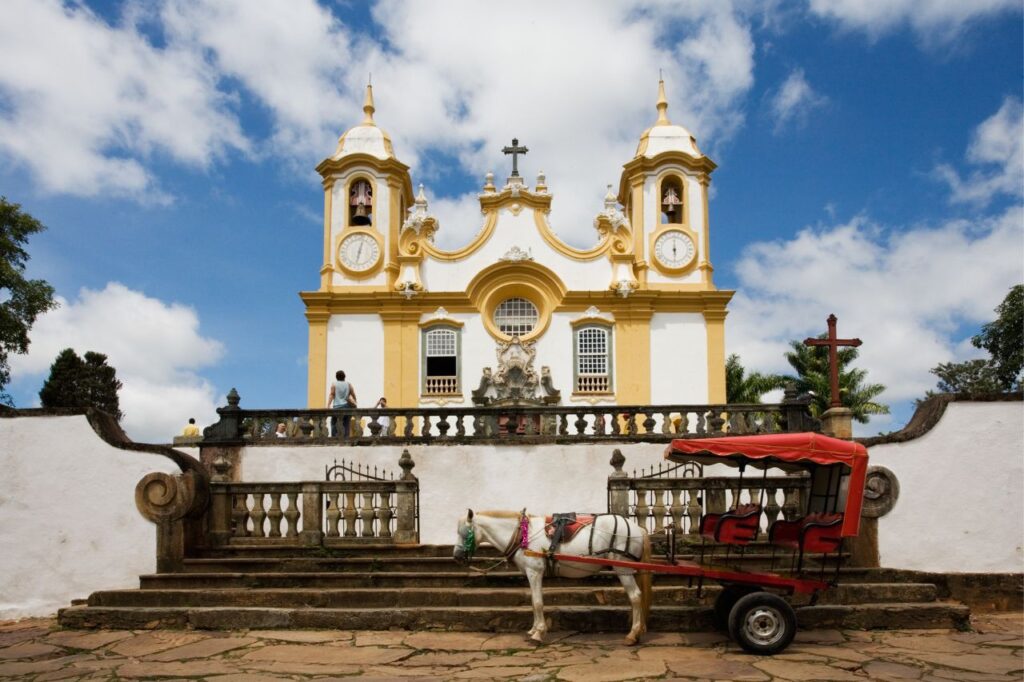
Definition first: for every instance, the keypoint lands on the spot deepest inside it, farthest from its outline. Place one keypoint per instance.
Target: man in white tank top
(342, 396)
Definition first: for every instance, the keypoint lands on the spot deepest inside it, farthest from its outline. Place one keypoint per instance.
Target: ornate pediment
(516, 381)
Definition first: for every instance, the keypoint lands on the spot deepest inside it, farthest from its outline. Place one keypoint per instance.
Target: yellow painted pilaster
(633, 355)
(317, 365)
(714, 322)
(639, 229)
(705, 252)
(394, 228)
(327, 270)
(401, 357)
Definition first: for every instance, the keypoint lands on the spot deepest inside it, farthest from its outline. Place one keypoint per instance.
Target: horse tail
(645, 582)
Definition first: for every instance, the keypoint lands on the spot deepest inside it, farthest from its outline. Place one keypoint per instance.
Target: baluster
(443, 425)
(460, 426)
(563, 424)
(257, 515)
(333, 515)
(701, 429)
(791, 503)
(676, 508)
(350, 514)
(716, 501)
(771, 507)
(715, 422)
(648, 421)
(408, 425)
(581, 424)
(529, 425)
(292, 515)
(384, 513)
(275, 515)
(239, 516)
(693, 510)
(642, 508)
(666, 423)
(659, 510)
(367, 515)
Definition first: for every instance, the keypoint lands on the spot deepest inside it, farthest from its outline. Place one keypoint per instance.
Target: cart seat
(736, 527)
(817, 533)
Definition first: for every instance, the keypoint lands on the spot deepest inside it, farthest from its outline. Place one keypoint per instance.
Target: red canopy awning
(787, 448)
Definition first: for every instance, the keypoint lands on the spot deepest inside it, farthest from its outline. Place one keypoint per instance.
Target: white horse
(609, 536)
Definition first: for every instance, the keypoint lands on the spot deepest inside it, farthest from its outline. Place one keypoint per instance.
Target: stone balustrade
(503, 424)
(681, 494)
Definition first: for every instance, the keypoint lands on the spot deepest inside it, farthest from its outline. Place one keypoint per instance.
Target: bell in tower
(360, 203)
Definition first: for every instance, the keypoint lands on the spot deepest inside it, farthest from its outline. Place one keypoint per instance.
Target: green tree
(79, 383)
(972, 376)
(741, 387)
(21, 300)
(812, 376)
(1003, 338)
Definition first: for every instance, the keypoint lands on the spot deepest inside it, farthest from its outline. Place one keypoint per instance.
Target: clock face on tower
(674, 249)
(359, 252)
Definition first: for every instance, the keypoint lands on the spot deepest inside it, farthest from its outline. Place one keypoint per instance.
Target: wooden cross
(833, 357)
(515, 150)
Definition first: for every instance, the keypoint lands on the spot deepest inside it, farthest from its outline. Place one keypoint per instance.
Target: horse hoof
(538, 639)
(631, 641)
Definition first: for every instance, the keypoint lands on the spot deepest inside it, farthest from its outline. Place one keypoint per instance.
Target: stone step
(479, 596)
(490, 619)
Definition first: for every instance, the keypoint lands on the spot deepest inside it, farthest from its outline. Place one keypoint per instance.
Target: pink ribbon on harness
(524, 531)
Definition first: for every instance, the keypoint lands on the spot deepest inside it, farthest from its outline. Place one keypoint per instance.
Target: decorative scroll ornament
(881, 490)
(625, 287)
(516, 254)
(439, 314)
(593, 313)
(162, 497)
(516, 382)
(420, 220)
(611, 218)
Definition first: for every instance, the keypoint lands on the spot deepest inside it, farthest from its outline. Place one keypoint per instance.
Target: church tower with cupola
(516, 315)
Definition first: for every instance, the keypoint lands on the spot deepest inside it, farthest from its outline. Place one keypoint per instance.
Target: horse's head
(465, 543)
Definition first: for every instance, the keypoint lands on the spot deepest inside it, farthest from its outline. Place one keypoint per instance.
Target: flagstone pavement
(38, 650)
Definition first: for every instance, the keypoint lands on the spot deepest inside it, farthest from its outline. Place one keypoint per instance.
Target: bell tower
(665, 191)
(366, 194)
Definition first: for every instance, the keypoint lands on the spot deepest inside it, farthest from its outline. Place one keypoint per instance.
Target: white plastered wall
(542, 478)
(679, 359)
(961, 502)
(70, 526)
(355, 344)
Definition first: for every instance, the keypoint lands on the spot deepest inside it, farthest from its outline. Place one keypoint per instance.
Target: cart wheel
(727, 599)
(762, 623)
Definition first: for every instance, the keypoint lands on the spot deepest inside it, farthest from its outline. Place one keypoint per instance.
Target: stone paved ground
(38, 650)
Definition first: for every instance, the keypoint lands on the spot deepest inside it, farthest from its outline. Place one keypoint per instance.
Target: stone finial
(542, 182)
(233, 398)
(368, 107)
(611, 202)
(617, 461)
(662, 105)
(489, 183)
(407, 465)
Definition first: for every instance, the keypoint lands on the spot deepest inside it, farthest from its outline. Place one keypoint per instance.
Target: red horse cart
(752, 604)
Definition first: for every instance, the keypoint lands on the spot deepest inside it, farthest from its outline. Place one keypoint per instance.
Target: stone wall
(961, 500)
(70, 525)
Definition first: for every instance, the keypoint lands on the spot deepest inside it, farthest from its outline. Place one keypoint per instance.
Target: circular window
(515, 316)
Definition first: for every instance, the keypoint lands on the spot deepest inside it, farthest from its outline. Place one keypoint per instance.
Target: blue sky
(869, 165)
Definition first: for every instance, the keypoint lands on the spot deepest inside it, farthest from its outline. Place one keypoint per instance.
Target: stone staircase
(420, 587)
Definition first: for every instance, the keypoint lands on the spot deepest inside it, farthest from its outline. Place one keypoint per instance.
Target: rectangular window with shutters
(441, 362)
(592, 354)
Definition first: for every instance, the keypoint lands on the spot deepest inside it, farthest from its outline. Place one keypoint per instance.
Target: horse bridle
(515, 543)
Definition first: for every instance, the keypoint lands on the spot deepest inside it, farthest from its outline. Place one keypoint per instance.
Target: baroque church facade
(516, 315)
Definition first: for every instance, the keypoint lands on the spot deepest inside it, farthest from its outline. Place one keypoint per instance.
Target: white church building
(516, 315)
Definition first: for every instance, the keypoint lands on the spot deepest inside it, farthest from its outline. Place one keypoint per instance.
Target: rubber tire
(727, 599)
(772, 611)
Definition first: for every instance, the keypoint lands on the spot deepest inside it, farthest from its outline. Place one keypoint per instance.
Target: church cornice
(330, 167)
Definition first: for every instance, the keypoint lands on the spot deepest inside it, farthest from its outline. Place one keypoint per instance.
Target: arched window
(515, 316)
(593, 352)
(360, 203)
(672, 202)
(441, 361)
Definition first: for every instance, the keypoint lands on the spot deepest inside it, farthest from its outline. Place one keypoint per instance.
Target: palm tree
(748, 388)
(812, 376)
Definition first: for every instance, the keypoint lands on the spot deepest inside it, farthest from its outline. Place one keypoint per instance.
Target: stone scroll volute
(162, 497)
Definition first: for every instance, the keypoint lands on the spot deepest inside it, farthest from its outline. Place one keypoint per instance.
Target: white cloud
(935, 21)
(156, 348)
(85, 104)
(997, 146)
(903, 293)
(794, 100)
